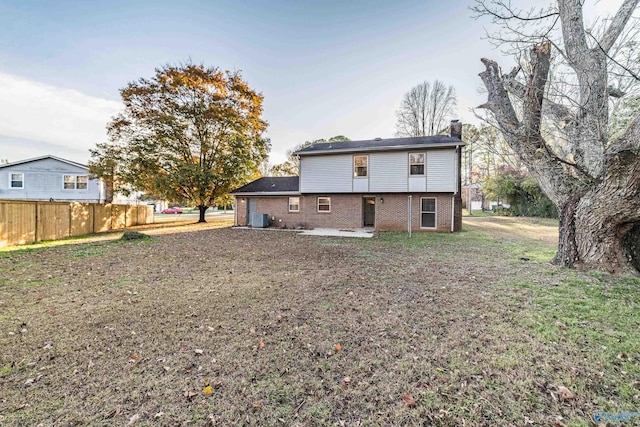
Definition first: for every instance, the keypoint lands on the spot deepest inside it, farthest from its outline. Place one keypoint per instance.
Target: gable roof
(379, 144)
(48, 156)
(271, 185)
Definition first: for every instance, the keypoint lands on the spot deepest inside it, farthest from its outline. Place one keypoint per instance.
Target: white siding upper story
(44, 179)
(441, 171)
(387, 172)
(326, 174)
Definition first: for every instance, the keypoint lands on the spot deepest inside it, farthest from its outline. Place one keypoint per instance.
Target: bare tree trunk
(631, 245)
(588, 237)
(108, 192)
(596, 187)
(202, 209)
(567, 254)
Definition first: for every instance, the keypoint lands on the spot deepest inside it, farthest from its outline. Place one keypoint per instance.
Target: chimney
(455, 130)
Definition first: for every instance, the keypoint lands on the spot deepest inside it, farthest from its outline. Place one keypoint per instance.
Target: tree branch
(525, 138)
(561, 113)
(498, 103)
(573, 29)
(534, 91)
(617, 24)
(600, 46)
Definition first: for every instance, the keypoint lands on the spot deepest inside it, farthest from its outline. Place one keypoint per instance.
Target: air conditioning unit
(259, 220)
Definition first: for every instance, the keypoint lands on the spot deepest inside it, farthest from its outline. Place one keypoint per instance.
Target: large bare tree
(554, 112)
(424, 109)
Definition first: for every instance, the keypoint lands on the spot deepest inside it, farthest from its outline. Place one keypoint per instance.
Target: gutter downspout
(453, 210)
(409, 215)
(455, 192)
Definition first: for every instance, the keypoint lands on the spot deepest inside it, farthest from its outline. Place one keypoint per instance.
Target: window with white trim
(294, 204)
(16, 180)
(360, 166)
(428, 212)
(324, 204)
(416, 163)
(76, 182)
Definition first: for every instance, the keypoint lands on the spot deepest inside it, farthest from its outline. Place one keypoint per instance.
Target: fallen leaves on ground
(565, 393)
(207, 390)
(345, 382)
(134, 418)
(114, 412)
(407, 398)
(558, 421)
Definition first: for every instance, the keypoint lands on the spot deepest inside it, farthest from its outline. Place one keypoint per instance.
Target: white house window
(17, 180)
(416, 164)
(294, 204)
(76, 182)
(324, 204)
(360, 164)
(428, 212)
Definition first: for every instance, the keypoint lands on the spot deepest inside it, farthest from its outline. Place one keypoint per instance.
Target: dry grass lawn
(215, 326)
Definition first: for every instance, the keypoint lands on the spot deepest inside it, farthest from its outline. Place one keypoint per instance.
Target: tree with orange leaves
(190, 133)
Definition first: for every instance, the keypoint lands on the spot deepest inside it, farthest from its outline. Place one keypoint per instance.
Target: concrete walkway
(338, 233)
(328, 232)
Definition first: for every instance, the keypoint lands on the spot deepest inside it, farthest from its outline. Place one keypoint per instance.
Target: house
(385, 184)
(49, 178)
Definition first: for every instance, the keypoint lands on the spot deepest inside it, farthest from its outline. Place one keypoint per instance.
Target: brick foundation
(347, 211)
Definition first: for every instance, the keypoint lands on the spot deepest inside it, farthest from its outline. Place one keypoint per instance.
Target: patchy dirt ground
(215, 326)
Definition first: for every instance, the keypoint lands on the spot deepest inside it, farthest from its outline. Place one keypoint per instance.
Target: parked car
(173, 210)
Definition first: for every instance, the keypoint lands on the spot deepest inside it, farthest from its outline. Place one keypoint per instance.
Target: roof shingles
(271, 184)
(381, 144)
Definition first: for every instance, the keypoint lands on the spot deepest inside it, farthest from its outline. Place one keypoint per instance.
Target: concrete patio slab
(338, 233)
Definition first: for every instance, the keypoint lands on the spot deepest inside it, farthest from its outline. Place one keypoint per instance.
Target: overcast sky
(325, 67)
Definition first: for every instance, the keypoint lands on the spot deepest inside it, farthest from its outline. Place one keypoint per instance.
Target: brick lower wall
(392, 211)
(346, 211)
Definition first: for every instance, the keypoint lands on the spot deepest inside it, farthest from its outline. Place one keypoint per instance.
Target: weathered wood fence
(28, 222)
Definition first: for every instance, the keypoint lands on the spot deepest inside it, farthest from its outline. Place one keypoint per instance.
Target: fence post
(36, 236)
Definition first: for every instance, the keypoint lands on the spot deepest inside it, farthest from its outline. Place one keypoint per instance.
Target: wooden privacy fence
(28, 222)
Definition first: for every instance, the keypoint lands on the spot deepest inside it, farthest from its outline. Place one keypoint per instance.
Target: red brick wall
(346, 211)
(392, 214)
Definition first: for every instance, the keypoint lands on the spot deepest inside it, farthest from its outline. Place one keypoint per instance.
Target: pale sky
(325, 68)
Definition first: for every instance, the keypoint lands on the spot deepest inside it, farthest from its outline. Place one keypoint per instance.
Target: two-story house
(386, 184)
(49, 178)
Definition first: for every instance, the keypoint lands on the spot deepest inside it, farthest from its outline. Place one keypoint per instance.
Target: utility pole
(469, 156)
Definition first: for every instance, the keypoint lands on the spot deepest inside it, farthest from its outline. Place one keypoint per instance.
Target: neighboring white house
(138, 198)
(49, 178)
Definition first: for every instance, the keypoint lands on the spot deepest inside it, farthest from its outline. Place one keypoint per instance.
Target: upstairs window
(294, 204)
(416, 164)
(360, 166)
(17, 180)
(76, 182)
